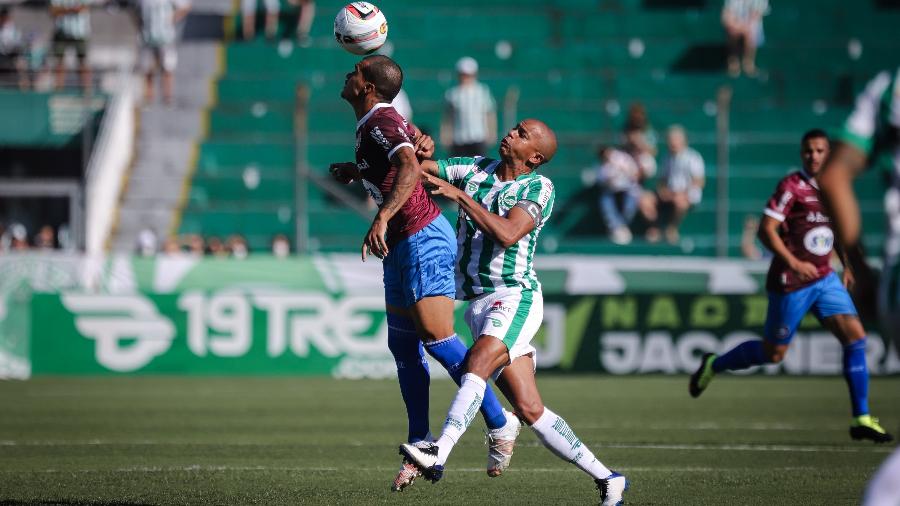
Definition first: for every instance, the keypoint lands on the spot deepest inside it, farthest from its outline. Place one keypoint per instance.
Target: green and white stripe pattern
(483, 265)
(158, 21)
(76, 25)
(873, 128)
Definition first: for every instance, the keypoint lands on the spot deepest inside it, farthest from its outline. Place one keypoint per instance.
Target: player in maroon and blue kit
(797, 229)
(418, 248)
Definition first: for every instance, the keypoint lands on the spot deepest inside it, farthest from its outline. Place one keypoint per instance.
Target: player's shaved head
(384, 73)
(544, 138)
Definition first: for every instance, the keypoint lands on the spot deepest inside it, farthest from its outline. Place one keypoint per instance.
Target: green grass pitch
(171, 440)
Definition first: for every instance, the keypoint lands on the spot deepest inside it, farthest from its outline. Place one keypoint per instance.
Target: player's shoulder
(791, 181)
(386, 116)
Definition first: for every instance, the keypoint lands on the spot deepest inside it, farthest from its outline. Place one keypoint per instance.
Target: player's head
(676, 138)
(375, 76)
(531, 142)
(814, 148)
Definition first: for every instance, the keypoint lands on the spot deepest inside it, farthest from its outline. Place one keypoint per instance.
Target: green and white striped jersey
(482, 265)
(874, 128)
(76, 25)
(158, 20)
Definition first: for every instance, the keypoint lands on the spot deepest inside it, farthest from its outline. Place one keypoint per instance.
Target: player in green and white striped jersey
(871, 138)
(72, 22)
(503, 204)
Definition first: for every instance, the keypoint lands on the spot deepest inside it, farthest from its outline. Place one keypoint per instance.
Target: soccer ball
(360, 27)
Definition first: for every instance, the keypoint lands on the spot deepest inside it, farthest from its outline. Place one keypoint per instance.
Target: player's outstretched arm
(503, 230)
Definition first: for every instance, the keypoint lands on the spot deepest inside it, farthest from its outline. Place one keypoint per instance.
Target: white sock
(463, 410)
(556, 435)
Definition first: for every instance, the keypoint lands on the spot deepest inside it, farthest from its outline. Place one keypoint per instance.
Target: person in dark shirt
(797, 229)
(418, 248)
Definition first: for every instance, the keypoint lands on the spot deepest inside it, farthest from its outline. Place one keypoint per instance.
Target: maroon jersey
(379, 134)
(805, 230)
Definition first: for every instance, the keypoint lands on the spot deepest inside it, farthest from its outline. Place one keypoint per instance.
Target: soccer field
(167, 440)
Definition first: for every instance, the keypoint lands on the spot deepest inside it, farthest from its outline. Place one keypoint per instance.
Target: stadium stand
(575, 64)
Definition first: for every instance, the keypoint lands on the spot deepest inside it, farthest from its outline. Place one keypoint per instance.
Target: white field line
(748, 447)
(564, 469)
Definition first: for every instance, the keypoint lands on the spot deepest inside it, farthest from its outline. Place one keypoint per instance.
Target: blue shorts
(826, 297)
(421, 265)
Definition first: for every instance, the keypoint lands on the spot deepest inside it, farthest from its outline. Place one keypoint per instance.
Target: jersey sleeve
(780, 203)
(391, 135)
(454, 170)
(541, 191)
(860, 128)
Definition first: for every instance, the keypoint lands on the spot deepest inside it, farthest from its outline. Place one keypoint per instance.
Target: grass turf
(168, 440)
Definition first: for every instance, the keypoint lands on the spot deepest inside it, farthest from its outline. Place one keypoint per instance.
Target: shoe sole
(878, 439)
(693, 387)
(426, 471)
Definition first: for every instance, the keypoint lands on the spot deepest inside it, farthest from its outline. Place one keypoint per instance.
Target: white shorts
(249, 6)
(162, 56)
(511, 315)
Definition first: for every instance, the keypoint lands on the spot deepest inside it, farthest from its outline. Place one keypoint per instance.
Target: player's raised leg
(517, 382)
(783, 316)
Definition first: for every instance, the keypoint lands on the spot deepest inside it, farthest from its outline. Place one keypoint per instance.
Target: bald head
(544, 138)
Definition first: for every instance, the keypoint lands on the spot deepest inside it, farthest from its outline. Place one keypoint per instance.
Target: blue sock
(857, 376)
(451, 352)
(412, 371)
(742, 356)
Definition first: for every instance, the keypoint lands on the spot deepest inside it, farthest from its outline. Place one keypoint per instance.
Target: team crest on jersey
(507, 200)
(819, 241)
(380, 139)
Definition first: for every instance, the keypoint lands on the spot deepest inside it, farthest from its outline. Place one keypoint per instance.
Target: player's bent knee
(529, 411)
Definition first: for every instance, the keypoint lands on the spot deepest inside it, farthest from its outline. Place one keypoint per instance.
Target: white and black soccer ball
(360, 27)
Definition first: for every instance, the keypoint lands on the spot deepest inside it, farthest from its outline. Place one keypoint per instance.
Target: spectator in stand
(469, 124)
(680, 185)
(147, 243)
(743, 23)
(13, 66)
(216, 248)
(281, 246)
(72, 30)
(15, 238)
(171, 246)
(304, 23)
(637, 121)
(237, 245)
(617, 180)
(45, 238)
(195, 245)
(248, 22)
(158, 20)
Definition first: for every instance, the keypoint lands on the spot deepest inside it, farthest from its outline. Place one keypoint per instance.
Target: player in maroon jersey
(418, 248)
(797, 229)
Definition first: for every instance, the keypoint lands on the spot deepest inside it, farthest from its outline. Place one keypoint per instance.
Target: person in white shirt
(617, 180)
(469, 125)
(158, 23)
(680, 184)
